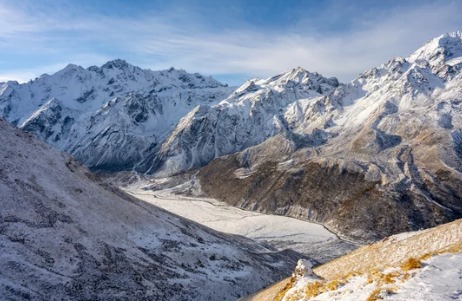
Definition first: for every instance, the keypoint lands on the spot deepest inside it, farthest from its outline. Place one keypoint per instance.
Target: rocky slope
(375, 157)
(63, 235)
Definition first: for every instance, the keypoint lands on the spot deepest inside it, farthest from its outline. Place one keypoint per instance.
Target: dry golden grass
(313, 289)
(410, 264)
(392, 252)
(405, 277)
(383, 279)
(375, 295)
(389, 278)
(287, 287)
(333, 285)
(406, 253)
(454, 248)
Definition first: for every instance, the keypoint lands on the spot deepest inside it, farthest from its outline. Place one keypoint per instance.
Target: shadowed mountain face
(63, 235)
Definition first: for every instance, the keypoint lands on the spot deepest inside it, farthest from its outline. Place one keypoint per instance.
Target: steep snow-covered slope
(389, 142)
(423, 265)
(65, 236)
(112, 117)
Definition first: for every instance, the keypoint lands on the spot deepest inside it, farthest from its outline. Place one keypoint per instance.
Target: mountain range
(367, 159)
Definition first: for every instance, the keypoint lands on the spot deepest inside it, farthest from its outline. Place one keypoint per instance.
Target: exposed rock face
(333, 193)
(65, 236)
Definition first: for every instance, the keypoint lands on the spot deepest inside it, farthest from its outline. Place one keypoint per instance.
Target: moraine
(281, 232)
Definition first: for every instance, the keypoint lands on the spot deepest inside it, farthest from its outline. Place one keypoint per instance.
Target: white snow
(454, 61)
(439, 279)
(116, 112)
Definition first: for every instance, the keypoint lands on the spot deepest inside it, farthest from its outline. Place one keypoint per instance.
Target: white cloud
(158, 42)
(342, 54)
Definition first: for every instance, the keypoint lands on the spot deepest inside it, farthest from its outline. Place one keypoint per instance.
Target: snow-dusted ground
(281, 232)
(66, 236)
(440, 279)
(421, 265)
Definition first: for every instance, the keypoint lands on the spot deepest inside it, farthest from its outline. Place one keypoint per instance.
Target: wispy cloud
(159, 41)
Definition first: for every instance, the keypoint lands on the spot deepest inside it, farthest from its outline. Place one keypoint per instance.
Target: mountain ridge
(390, 140)
(117, 102)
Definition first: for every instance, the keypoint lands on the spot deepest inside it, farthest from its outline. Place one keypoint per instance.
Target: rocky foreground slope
(65, 236)
(423, 265)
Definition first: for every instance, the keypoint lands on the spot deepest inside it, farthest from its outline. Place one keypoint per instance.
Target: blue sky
(230, 40)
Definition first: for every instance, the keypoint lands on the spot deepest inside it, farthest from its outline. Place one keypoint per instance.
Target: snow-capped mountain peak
(300, 77)
(445, 49)
(394, 130)
(391, 139)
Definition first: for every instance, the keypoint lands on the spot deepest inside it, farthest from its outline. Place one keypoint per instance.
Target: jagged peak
(191, 79)
(444, 49)
(297, 74)
(67, 71)
(396, 64)
(116, 64)
(440, 49)
(71, 68)
(11, 83)
(303, 76)
(248, 86)
(455, 34)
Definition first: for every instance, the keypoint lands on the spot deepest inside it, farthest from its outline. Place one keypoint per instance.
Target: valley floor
(309, 239)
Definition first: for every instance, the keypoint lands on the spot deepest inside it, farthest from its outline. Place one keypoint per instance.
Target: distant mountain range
(377, 156)
(114, 117)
